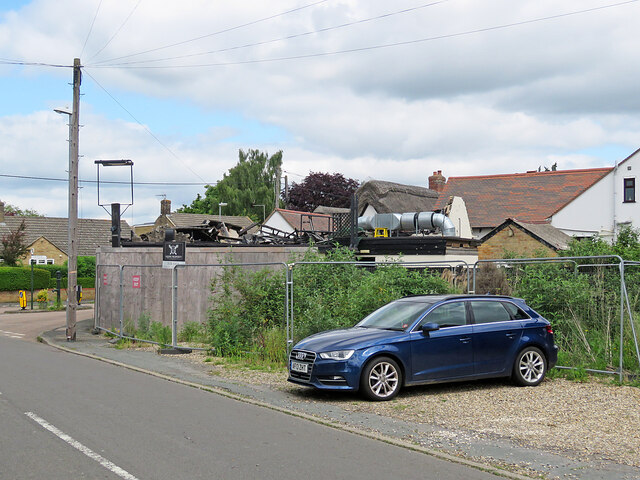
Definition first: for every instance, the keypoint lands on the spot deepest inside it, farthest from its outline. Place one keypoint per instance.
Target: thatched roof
(389, 197)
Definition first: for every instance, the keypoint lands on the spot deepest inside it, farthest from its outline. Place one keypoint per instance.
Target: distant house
(523, 239)
(532, 197)
(293, 221)
(47, 237)
(606, 206)
(175, 220)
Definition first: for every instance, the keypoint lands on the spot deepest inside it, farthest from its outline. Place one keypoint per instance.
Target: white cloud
(498, 101)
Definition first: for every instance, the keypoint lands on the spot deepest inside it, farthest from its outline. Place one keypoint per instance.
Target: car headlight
(337, 355)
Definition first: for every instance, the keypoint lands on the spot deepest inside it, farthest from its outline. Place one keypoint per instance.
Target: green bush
(247, 311)
(52, 269)
(87, 267)
(85, 282)
(19, 278)
(193, 332)
(160, 333)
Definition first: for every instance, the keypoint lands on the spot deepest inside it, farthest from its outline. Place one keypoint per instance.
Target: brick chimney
(1, 212)
(437, 181)
(165, 207)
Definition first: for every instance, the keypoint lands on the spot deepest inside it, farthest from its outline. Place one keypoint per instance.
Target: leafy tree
(86, 266)
(13, 245)
(11, 211)
(250, 182)
(329, 190)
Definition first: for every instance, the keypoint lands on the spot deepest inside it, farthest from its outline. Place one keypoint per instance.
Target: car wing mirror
(430, 327)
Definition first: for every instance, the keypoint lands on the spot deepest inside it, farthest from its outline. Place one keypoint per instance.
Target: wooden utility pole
(277, 188)
(72, 299)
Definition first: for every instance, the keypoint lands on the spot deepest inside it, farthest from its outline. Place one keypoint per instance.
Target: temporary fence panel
(146, 295)
(130, 294)
(107, 297)
(197, 285)
(579, 265)
(294, 280)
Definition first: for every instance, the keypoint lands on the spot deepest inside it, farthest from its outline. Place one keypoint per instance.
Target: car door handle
(465, 339)
(511, 335)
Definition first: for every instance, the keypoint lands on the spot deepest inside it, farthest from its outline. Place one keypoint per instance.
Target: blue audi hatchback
(429, 339)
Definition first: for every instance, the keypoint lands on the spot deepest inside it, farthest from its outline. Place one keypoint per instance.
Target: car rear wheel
(381, 379)
(530, 367)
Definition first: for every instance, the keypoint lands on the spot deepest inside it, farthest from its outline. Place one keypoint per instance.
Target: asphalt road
(64, 416)
(28, 324)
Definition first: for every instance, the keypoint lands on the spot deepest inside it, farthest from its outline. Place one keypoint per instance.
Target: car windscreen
(395, 315)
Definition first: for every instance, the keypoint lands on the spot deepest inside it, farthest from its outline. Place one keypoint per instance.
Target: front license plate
(299, 367)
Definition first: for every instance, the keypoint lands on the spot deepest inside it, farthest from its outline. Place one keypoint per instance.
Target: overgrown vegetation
(247, 313)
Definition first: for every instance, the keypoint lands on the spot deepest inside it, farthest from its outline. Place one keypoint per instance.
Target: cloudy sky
(369, 89)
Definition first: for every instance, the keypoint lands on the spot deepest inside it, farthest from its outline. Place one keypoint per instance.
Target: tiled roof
(389, 197)
(182, 220)
(91, 233)
(305, 221)
(544, 232)
(530, 197)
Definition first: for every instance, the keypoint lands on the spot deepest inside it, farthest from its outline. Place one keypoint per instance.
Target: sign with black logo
(173, 253)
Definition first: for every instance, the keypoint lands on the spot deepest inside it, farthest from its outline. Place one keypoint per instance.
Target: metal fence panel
(624, 308)
(107, 297)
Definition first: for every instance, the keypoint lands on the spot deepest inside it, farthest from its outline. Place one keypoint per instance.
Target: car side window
(515, 312)
(489, 312)
(447, 315)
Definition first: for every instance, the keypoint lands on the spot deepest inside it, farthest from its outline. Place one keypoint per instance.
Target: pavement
(496, 455)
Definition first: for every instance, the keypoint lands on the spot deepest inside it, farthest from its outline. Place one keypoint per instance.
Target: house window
(629, 190)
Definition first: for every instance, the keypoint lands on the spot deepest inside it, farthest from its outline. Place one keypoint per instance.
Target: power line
(91, 28)
(288, 37)
(146, 128)
(65, 180)
(118, 30)
(254, 22)
(6, 61)
(380, 46)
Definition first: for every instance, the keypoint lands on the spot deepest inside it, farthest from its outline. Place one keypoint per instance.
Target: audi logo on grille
(301, 355)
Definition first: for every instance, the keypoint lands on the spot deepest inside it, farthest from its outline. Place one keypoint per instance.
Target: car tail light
(549, 329)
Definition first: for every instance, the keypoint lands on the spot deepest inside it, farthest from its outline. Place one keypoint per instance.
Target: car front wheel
(530, 367)
(381, 379)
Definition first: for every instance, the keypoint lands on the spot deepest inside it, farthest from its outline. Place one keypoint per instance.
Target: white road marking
(12, 334)
(78, 446)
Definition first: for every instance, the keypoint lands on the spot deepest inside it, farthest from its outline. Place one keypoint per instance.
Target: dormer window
(629, 190)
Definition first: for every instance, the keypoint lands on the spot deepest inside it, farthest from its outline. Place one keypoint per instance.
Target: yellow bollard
(22, 297)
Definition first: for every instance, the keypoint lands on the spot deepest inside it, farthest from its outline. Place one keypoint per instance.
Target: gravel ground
(582, 420)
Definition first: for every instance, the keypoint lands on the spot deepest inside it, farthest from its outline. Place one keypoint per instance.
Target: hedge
(19, 278)
(52, 269)
(86, 282)
(86, 268)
